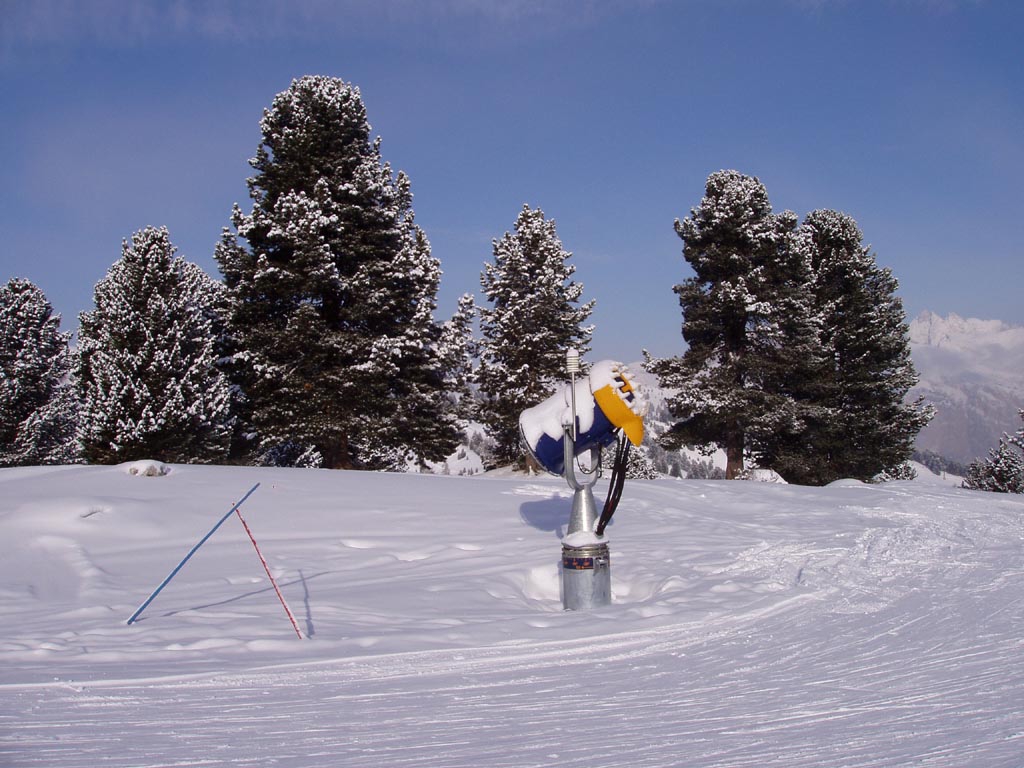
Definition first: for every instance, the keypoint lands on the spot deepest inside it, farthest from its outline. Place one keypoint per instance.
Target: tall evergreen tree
(420, 423)
(150, 388)
(331, 331)
(749, 323)
(38, 409)
(869, 428)
(534, 317)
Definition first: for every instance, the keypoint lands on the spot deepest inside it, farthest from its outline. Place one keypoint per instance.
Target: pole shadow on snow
(303, 579)
(547, 514)
(305, 602)
(550, 514)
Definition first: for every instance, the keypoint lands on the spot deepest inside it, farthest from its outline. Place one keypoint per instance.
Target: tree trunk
(336, 456)
(733, 455)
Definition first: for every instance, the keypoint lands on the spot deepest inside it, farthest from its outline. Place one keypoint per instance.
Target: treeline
(939, 465)
(319, 346)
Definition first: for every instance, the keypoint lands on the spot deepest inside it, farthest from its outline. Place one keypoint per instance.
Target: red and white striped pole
(266, 568)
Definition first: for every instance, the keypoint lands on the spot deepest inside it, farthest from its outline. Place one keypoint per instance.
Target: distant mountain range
(973, 372)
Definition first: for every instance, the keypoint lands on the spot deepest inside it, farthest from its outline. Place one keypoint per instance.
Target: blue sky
(906, 114)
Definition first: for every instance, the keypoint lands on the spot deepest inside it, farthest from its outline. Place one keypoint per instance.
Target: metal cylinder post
(583, 516)
(586, 576)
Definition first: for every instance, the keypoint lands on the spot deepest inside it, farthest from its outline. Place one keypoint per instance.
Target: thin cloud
(116, 23)
(928, 6)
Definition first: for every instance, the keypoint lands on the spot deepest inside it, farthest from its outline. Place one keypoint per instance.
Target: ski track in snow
(852, 626)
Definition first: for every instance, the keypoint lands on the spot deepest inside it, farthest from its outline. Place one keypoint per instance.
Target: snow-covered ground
(752, 624)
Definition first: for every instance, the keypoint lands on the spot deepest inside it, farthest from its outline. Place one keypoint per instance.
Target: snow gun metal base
(586, 576)
(586, 565)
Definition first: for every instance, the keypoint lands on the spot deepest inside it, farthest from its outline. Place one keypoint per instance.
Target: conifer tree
(38, 409)
(331, 333)
(423, 426)
(869, 428)
(1002, 471)
(149, 385)
(534, 317)
(639, 465)
(749, 323)
(458, 350)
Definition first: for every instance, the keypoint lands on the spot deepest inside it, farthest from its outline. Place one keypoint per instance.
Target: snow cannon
(604, 402)
(586, 415)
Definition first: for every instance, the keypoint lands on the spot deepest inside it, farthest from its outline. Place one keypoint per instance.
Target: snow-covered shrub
(147, 468)
(904, 471)
(290, 454)
(758, 475)
(1003, 470)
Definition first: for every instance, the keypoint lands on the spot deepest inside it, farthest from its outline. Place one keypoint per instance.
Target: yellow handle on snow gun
(618, 412)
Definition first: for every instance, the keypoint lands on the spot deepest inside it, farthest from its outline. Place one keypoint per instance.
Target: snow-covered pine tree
(458, 350)
(1018, 439)
(149, 385)
(331, 333)
(870, 428)
(423, 427)
(639, 465)
(38, 408)
(749, 323)
(1002, 470)
(534, 317)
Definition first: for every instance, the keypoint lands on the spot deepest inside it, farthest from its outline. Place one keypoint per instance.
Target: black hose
(618, 479)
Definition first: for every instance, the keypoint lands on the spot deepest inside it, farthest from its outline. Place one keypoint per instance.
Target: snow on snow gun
(586, 415)
(605, 402)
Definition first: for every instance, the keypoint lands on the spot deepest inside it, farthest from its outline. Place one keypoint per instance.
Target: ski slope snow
(751, 624)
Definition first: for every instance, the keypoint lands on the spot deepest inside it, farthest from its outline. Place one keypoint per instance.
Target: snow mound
(763, 476)
(146, 468)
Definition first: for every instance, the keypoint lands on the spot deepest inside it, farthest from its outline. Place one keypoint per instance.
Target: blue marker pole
(202, 541)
